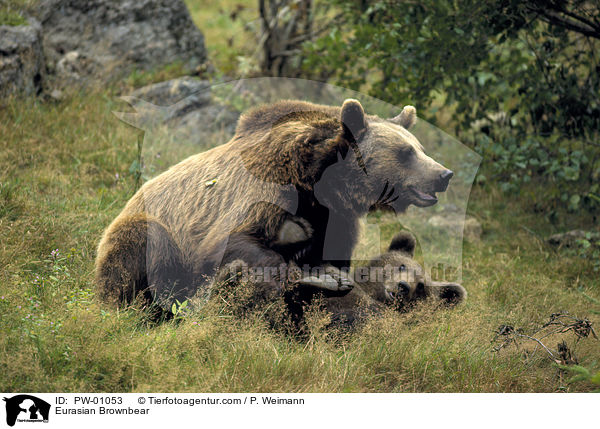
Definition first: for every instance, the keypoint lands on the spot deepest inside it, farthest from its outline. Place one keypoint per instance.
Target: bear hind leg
(138, 259)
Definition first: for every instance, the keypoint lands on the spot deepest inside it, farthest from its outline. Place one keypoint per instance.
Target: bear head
(396, 279)
(386, 168)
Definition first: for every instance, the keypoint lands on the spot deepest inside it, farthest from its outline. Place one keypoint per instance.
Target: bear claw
(332, 280)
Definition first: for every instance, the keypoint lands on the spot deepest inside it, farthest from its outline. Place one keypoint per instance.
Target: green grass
(13, 12)
(59, 190)
(139, 78)
(11, 17)
(224, 25)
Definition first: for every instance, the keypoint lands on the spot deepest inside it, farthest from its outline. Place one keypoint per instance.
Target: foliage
(589, 247)
(179, 309)
(581, 373)
(520, 81)
(225, 25)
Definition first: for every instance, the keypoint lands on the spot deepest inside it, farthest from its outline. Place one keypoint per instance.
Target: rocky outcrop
(95, 40)
(182, 95)
(22, 67)
(185, 108)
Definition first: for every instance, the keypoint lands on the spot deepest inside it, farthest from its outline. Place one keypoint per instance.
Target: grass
(11, 17)
(13, 12)
(59, 190)
(224, 24)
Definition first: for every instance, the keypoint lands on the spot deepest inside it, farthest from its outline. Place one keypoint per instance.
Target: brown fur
(229, 203)
(262, 118)
(371, 295)
(147, 244)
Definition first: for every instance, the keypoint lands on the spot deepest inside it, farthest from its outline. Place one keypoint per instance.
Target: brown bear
(326, 165)
(391, 280)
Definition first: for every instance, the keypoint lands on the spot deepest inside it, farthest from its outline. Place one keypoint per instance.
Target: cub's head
(395, 278)
(398, 172)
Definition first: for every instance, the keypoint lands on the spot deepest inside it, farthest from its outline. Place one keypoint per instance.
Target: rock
(567, 239)
(182, 95)
(183, 107)
(56, 95)
(22, 69)
(74, 68)
(472, 229)
(215, 117)
(96, 40)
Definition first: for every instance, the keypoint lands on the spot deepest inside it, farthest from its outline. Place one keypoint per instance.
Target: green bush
(520, 80)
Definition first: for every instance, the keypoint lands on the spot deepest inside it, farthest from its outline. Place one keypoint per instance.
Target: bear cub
(391, 280)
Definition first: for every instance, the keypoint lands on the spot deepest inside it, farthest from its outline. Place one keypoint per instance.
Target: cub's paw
(328, 280)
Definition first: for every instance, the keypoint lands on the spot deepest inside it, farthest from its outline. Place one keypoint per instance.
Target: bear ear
(404, 242)
(449, 293)
(407, 118)
(353, 117)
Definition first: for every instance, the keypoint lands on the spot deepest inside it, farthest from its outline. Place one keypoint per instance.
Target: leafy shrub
(520, 79)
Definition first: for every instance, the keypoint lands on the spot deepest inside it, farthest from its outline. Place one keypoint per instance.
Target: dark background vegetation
(517, 81)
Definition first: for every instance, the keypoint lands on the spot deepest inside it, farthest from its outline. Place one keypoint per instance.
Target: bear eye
(406, 152)
(402, 267)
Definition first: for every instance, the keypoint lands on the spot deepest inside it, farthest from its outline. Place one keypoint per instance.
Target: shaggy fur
(327, 165)
(371, 294)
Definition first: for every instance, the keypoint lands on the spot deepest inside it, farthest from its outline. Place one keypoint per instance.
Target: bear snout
(403, 289)
(444, 180)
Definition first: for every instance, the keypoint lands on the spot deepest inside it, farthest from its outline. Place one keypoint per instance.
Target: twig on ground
(558, 323)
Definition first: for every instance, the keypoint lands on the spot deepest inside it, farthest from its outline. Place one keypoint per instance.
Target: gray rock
(211, 118)
(182, 95)
(22, 69)
(56, 95)
(95, 40)
(184, 109)
(74, 68)
(567, 239)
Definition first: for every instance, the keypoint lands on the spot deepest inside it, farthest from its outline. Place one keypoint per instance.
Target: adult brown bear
(327, 165)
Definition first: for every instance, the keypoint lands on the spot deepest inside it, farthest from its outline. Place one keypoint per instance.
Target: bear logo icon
(26, 408)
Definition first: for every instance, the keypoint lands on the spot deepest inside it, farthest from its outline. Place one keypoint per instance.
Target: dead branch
(558, 323)
(558, 15)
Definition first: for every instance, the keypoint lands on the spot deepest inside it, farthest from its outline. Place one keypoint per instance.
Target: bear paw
(328, 280)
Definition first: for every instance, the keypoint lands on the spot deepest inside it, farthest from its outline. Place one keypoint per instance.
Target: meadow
(66, 175)
(66, 172)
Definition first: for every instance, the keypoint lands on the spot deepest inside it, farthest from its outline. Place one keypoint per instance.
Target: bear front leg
(267, 268)
(272, 275)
